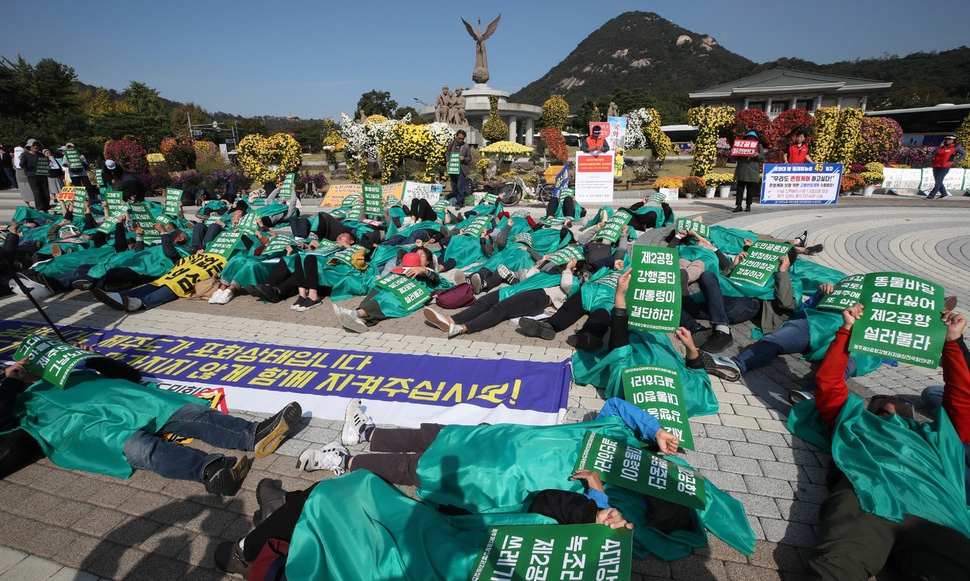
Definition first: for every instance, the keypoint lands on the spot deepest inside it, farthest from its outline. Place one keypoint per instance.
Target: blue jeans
(153, 296)
(717, 308)
(459, 183)
(939, 173)
(792, 337)
(145, 450)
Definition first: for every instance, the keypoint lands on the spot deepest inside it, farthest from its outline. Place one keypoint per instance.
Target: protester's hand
(826, 288)
(783, 263)
(748, 242)
(18, 370)
(220, 222)
(14, 228)
(955, 325)
(413, 271)
(667, 442)
(612, 518)
(621, 285)
(121, 218)
(702, 242)
(590, 477)
(313, 245)
(625, 231)
(851, 315)
(687, 340)
(617, 265)
(419, 243)
(571, 265)
(737, 259)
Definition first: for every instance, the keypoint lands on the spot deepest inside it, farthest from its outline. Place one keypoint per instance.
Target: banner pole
(40, 309)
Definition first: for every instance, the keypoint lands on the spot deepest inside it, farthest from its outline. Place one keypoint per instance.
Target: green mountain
(641, 59)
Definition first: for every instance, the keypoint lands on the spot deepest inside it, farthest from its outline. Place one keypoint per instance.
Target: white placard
(594, 178)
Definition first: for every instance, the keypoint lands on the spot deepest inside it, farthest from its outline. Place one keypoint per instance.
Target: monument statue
(457, 113)
(611, 111)
(480, 74)
(442, 106)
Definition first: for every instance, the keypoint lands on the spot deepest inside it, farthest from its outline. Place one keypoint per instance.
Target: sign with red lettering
(744, 148)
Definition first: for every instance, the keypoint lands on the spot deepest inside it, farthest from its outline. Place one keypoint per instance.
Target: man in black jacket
(36, 167)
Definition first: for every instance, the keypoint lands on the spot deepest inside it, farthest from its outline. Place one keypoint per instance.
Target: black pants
(284, 280)
(278, 525)
(328, 227)
(41, 191)
(749, 188)
(856, 545)
(122, 279)
(398, 451)
(717, 308)
(203, 234)
(488, 311)
(421, 211)
(598, 322)
(568, 207)
(306, 273)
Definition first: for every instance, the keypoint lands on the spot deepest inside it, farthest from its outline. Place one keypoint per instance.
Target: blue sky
(315, 58)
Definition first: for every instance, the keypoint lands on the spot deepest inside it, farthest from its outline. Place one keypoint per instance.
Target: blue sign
(801, 183)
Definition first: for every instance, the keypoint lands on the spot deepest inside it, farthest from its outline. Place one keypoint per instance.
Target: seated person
(899, 494)
(82, 427)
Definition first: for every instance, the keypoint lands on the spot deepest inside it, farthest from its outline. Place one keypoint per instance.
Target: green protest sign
(658, 391)
(247, 224)
(143, 219)
(551, 222)
(51, 359)
(613, 228)
(524, 238)
(227, 242)
(564, 255)
(287, 190)
(213, 218)
(657, 198)
(111, 218)
(373, 200)
(408, 291)
(43, 167)
(73, 158)
(640, 471)
(173, 201)
(588, 552)
(901, 319)
(760, 262)
(454, 164)
(688, 225)
(477, 226)
(440, 206)
(347, 254)
(847, 293)
(278, 244)
(99, 178)
(566, 193)
(324, 248)
(489, 199)
(114, 199)
(654, 296)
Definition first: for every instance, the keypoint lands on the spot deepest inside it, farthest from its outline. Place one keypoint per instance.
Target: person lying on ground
(82, 426)
(898, 492)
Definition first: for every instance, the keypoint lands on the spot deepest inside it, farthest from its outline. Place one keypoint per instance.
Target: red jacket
(832, 391)
(798, 153)
(944, 156)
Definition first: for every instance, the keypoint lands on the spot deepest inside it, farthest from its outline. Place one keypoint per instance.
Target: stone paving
(63, 525)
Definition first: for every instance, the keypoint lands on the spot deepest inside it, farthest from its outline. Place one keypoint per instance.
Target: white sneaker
(355, 420)
(132, 304)
(454, 330)
(460, 277)
(437, 320)
(331, 457)
(226, 296)
(349, 320)
(216, 297)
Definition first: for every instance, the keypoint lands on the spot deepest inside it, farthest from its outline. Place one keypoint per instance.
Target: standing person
(747, 174)
(55, 175)
(459, 174)
(6, 163)
(797, 148)
(595, 143)
(78, 172)
(37, 167)
(21, 176)
(946, 155)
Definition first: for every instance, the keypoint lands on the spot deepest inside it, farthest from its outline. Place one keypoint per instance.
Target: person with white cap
(947, 154)
(37, 167)
(20, 176)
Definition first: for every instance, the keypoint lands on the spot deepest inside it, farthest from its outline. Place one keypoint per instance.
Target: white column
(530, 127)
(513, 128)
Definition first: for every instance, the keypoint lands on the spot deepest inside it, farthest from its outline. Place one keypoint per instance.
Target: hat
(752, 133)
(411, 259)
(110, 164)
(68, 144)
(950, 136)
(31, 142)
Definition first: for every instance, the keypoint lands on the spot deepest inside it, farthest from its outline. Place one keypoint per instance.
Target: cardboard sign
(173, 202)
(901, 319)
(658, 391)
(845, 294)
(564, 255)
(278, 244)
(654, 296)
(43, 167)
(613, 229)
(408, 291)
(489, 199)
(115, 200)
(373, 201)
(567, 193)
(744, 148)
(760, 263)
(640, 471)
(454, 164)
(51, 359)
(189, 271)
(590, 552)
(248, 224)
(107, 225)
(336, 193)
(688, 225)
(99, 178)
(594, 178)
(477, 226)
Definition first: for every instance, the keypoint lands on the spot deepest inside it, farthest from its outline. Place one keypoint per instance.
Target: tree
(415, 116)
(555, 112)
(376, 103)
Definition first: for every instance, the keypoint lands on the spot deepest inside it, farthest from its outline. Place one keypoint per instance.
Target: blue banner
(801, 183)
(259, 375)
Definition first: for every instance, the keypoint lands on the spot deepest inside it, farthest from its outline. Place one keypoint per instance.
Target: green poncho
(68, 263)
(496, 469)
(150, 262)
(85, 425)
(465, 250)
(358, 528)
(896, 466)
(603, 370)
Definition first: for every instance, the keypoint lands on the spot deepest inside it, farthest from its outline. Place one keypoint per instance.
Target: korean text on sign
(654, 296)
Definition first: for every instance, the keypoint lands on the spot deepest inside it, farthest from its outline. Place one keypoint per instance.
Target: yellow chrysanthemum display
(269, 158)
(507, 148)
(709, 122)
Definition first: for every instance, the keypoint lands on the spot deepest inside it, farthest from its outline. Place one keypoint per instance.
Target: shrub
(871, 177)
(555, 113)
(258, 155)
(847, 136)
(783, 125)
(694, 185)
(555, 143)
(128, 153)
(709, 122)
(753, 120)
(669, 182)
(914, 156)
(719, 179)
(963, 138)
(319, 180)
(879, 139)
(826, 124)
(852, 182)
(180, 155)
(494, 129)
(643, 130)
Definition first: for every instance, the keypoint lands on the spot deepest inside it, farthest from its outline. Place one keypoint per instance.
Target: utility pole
(188, 117)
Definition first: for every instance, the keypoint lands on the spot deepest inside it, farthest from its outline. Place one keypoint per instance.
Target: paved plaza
(68, 525)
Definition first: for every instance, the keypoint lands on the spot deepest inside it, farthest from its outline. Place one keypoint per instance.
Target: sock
(532, 222)
(723, 329)
(366, 431)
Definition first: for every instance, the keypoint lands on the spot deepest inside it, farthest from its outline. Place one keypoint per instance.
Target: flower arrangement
(914, 157)
(167, 145)
(872, 173)
(847, 136)
(128, 153)
(709, 122)
(852, 182)
(269, 158)
(555, 113)
(718, 179)
(879, 139)
(669, 182)
(205, 150)
(334, 141)
(643, 130)
(782, 126)
(694, 185)
(481, 164)
(826, 124)
(376, 119)
(179, 153)
(555, 143)
(425, 143)
(494, 129)
(963, 138)
(507, 148)
(305, 178)
(753, 120)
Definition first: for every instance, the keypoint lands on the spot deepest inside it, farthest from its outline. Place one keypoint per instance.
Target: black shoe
(717, 342)
(82, 284)
(274, 430)
(585, 342)
(270, 496)
(930, 196)
(533, 328)
(723, 367)
(747, 209)
(225, 475)
(814, 249)
(736, 210)
(229, 559)
(312, 304)
(267, 292)
(114, 300)
(802, 240)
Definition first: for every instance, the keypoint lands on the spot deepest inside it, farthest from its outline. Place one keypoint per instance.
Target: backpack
(456, 297)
